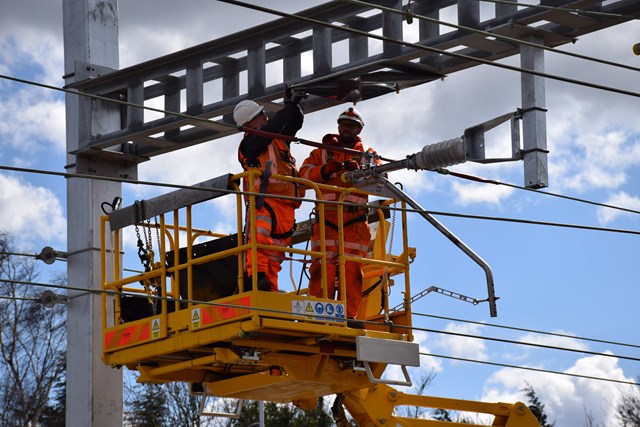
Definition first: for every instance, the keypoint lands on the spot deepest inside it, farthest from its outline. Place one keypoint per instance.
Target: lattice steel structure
(217, 70)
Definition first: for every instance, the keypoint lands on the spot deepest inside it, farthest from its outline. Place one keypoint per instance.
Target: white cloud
(565, 398)
(601, 160)
(463, 347)
(621, 199)
(30, 213)
(428, 364)
(469, 194)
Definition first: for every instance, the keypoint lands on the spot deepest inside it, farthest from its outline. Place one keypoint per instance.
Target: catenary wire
(93, 291)
(75, 92)
(528, 368)
(529, 344)
(408, 210)
(441, 170)
(432, 49)
(244, 307)
(445, 171)
(34, 299)
(494, 35)
(19, 254)
(514, 328)
(110, 292)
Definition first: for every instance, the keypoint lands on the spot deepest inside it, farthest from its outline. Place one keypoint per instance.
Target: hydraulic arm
(377, 406)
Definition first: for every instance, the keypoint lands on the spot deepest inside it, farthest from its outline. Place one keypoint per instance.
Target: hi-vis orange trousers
(356, 243)
(274, 218)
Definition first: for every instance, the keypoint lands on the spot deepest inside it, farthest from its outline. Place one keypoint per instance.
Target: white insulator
(441, 154)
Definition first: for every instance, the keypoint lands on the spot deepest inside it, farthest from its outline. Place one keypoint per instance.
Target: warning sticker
(195, 318)
(155, 328)
(328, 311)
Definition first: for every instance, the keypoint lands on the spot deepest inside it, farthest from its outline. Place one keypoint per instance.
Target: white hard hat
(353, 115)
(245, 111)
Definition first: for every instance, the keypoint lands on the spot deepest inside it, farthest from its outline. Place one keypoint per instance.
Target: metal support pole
(534, 121)
(94, 391)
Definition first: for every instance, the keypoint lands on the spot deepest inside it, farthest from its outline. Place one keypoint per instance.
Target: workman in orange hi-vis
(327, 166)
(275, 221)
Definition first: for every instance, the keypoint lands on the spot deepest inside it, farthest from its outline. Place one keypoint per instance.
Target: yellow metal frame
(187, 344)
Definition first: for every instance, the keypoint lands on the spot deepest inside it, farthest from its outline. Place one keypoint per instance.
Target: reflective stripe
(356, 246)
(279, 165)
(262, 230)
(265, 218)
(350, 197)
(304, 170)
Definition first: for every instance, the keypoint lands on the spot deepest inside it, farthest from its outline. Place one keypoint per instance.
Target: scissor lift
(192, 315)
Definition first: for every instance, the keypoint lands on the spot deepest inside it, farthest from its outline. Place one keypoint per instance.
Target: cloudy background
(554, 279)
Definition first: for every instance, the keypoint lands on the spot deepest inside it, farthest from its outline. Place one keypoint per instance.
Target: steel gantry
(237, 66)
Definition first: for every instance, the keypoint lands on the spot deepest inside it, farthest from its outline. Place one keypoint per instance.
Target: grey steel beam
(287, 39)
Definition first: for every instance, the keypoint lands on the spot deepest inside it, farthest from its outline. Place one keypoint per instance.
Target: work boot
(354, 323)
(263, 282)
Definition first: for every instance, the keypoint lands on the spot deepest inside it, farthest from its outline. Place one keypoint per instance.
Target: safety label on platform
(155, 328)
(195, 318)
(328, 311)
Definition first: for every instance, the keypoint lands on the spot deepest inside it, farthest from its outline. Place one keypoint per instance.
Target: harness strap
(264, 182)
(274, 225)
(352, 221)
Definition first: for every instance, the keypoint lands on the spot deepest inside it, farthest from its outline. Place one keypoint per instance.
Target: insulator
(440, 154)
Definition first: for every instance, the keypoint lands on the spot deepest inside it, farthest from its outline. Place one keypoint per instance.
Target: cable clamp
(521, 111)
(534, 150)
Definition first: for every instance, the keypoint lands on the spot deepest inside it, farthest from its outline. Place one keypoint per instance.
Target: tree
(148, 409)
(628, 410)
(54, 413)
(536, 406)
(32, 338)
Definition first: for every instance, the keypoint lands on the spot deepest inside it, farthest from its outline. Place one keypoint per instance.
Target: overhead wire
(186, 116)
(19, 254)
(431, 49)
(445, 171)
(249, 307)
(494, 35)
(529, 368)
(528, 344)
(276, 311)
(302, 199)
(514, 328)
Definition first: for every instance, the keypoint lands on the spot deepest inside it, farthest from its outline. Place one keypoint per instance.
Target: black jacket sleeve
(287, 121)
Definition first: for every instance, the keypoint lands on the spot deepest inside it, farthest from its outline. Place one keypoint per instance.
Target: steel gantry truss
(234, 67)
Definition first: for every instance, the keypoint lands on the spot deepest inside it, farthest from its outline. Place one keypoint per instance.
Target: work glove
(332, 166)
(331, 139)
(294, 96)
(350, 165)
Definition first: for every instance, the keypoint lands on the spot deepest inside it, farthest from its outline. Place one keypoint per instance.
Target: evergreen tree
(148, 408)
(54, 413)
(536, 406)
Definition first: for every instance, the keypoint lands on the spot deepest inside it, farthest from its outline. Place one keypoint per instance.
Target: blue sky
(563, 280)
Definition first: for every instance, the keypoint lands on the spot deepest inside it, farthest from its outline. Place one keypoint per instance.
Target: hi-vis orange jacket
(275, 159)
(312, 167)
